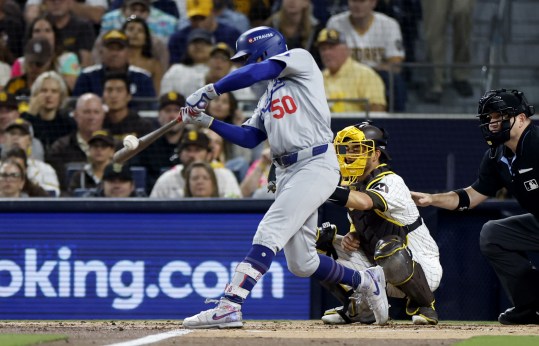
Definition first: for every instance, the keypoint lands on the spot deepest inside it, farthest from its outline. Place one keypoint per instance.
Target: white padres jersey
(383, 39)
(293, 112)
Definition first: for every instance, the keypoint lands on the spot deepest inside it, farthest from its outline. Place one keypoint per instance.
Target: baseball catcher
(386, 230)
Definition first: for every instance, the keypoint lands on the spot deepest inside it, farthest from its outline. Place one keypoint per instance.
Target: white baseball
(131, 142)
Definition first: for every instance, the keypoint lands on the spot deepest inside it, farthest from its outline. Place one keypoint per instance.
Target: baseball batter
(386, 229)
(294, 116)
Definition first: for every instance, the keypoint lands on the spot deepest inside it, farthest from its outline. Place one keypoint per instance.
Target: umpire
(511, 162)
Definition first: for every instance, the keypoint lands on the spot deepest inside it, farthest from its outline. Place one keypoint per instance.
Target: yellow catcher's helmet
(353, 151)
(355, 145)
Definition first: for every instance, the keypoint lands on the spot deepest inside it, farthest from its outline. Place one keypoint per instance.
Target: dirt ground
(265, 333)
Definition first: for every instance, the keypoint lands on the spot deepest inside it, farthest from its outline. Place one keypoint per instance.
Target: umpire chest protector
(518, 172)
(372, 225)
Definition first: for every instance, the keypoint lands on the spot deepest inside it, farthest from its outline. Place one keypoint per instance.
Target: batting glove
(198, 118)
(199, 100)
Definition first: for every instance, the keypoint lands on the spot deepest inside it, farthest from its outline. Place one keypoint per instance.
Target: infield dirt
(265, 333)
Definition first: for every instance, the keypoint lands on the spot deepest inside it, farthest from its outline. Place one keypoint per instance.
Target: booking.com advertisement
(134, 266)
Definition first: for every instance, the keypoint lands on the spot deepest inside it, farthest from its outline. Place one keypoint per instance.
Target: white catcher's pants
(424, 251)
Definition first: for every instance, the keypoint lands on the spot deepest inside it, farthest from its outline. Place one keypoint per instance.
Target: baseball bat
(125, 154)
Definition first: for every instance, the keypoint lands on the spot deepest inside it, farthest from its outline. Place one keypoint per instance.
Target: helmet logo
(259, 37)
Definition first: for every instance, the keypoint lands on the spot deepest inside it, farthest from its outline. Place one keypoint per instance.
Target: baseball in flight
(131, 142)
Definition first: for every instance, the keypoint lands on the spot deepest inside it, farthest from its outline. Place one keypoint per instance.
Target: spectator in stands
(194, 146)
(255, 183)
(100, 153)
(187, 76)
(200, 180)
(257, 11)
(160, 23)
(375, 40)
(218, 159)
(91, 10)
(114, 59)
(77, 34)
(12, 179)
(219, 65)
(66, 63)
(408, 14)
(345, 78)
(73, 149)
(161, 155)
(38, 58)
(9, 111)
(234, 157)
(140, 52)
(159, 50)
(6, 60)
(30, 189)
(295, 21)
(19, 134)
(118, 182)
(11, 26)
(120, 120)
(226, 15)
(46, 111)
(438, 16)
(200, 17)
(172, 7)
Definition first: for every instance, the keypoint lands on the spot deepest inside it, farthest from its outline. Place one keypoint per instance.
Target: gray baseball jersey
(295, 116)
(294, 112)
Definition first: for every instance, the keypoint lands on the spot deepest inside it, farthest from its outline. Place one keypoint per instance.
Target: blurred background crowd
(77, 76)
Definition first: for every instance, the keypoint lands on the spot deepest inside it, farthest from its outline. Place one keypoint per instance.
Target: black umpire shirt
(519, 172)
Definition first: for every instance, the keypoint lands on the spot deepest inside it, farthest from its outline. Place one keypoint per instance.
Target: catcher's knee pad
(403, 272)
(394, 257)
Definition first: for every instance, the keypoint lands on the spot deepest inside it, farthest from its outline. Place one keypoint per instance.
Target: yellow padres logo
(192, 135)
(117, 167)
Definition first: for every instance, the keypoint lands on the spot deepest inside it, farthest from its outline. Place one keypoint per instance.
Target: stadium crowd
(84, 74)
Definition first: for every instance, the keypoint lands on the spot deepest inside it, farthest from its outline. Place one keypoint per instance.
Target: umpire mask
(506, 104)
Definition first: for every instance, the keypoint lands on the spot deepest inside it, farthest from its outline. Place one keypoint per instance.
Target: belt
(290, 159)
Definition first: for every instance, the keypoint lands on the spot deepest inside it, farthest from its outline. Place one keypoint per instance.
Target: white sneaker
(225, 315)
(373, 289)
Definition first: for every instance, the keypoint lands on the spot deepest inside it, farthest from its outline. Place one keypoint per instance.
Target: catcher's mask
(355, 145)
(506, 105)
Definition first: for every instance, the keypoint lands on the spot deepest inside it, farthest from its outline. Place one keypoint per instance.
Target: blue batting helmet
(260, 42)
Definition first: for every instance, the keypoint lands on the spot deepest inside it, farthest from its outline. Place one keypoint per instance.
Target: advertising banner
(134, 266)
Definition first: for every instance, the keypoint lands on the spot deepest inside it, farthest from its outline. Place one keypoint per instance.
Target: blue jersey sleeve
(249, 75)
(245, 136)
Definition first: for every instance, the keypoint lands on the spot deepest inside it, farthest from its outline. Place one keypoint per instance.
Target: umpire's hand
(350, 242)
(421, 199)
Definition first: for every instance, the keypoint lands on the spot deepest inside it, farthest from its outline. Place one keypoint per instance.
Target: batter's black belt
(414, 225)
(290, 159)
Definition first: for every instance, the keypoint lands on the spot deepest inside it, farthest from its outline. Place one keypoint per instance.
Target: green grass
(502, 340)
(28, 339)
